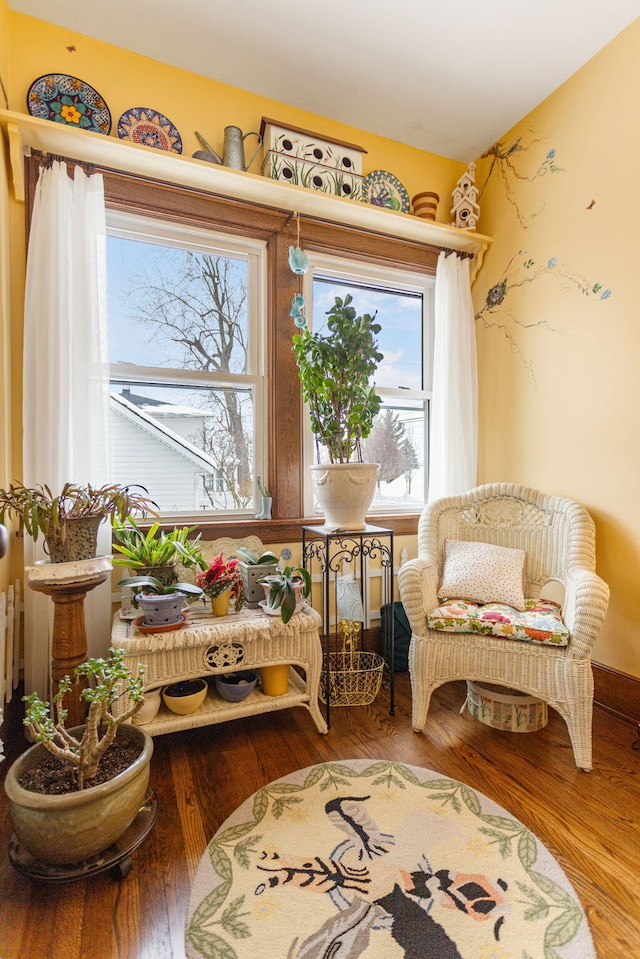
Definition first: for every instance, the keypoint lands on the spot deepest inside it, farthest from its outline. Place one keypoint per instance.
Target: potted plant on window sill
(336, 370)
(73, 825)
(69, 521)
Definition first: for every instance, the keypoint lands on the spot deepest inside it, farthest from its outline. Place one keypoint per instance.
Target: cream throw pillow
(482, 573)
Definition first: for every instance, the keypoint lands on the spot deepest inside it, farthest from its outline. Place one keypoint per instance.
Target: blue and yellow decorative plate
(150, 128)
(65, 99)
(381, 188)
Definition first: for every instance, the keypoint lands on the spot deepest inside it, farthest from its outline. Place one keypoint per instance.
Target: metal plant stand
(330, 551)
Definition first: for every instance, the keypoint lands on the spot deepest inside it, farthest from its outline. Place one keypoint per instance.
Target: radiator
(9, 642)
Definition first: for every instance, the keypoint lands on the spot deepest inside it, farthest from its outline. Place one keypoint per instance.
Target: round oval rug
(380, 859)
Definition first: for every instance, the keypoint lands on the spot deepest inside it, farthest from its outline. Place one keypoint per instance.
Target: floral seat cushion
(540, 621)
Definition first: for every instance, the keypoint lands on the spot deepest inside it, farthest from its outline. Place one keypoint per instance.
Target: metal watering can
(233, 151)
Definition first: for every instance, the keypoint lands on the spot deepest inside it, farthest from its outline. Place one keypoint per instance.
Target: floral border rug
(380, 859)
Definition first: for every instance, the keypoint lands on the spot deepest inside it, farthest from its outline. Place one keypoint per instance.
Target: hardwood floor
(588, 821)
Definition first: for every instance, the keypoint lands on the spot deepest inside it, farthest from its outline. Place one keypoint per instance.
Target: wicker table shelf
(208, 645)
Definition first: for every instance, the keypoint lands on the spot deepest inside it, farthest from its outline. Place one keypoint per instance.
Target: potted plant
(221, 582)
(91, 779)
(336, 370)
(285, 590)
(162, 604)
(254, 567)
(155, 555)
(69, 521)
(266, 500)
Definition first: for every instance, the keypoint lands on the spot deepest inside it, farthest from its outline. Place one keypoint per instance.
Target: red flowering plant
(222, 575)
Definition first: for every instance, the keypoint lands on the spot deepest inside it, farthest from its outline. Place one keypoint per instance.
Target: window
(399, 438)
(169, 216)
(187, 397)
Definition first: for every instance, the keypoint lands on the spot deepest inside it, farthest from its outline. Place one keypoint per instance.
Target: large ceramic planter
(344, 492)
(74, 826)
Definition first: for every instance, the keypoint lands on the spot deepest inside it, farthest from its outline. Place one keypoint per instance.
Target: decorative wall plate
(150, 128)
(65, 99)
(381, 188)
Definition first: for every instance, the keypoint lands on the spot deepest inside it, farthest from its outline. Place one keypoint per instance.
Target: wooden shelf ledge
(25, 133)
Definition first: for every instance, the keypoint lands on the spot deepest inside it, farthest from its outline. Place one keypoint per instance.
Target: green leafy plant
(252, 559)
(282, 589)
(149, 584)
(39, 511)
(142, 549)
(262, 489)
(109, 681)
(335, 371)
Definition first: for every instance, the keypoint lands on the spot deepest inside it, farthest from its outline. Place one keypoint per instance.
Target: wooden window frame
(279, 229)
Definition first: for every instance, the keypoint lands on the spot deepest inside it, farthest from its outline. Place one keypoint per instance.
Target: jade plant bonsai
(335, 370)
(109, 681)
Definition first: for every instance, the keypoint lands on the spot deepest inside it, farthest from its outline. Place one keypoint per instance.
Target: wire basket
(355, 677)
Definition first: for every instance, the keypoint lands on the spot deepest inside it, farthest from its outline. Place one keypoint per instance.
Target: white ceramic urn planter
(344, 492)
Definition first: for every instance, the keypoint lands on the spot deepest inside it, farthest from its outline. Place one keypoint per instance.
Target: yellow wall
(193, 102)
(557, 400)
(5, 316)
(559, 387)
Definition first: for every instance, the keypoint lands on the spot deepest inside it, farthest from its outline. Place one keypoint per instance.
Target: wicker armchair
(558, 537)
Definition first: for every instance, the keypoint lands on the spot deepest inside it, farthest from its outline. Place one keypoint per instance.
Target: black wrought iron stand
(330, 550)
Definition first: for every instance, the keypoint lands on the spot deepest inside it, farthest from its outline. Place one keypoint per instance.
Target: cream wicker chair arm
(418, 584)
(586, 602)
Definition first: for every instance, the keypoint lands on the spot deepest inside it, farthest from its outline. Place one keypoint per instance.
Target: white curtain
(65, 379)
(453, 445)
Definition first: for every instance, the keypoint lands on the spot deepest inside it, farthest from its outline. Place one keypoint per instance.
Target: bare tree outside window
(187, 310)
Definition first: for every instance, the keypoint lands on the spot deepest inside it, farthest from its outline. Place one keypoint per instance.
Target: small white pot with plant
(285, 591)
(254, 567)
(336, 370)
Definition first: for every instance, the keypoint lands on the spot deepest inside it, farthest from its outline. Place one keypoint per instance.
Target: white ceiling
(447, 76)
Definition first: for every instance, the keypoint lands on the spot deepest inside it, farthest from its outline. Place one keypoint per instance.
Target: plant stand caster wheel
(121, 869)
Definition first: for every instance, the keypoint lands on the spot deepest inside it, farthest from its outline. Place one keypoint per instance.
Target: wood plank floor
(588, 821)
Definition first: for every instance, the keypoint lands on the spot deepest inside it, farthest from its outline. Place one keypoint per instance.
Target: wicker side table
(208, 645)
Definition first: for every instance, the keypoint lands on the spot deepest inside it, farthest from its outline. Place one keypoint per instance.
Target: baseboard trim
(617, 692)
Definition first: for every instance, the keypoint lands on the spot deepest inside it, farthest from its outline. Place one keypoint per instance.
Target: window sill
(290, 530)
